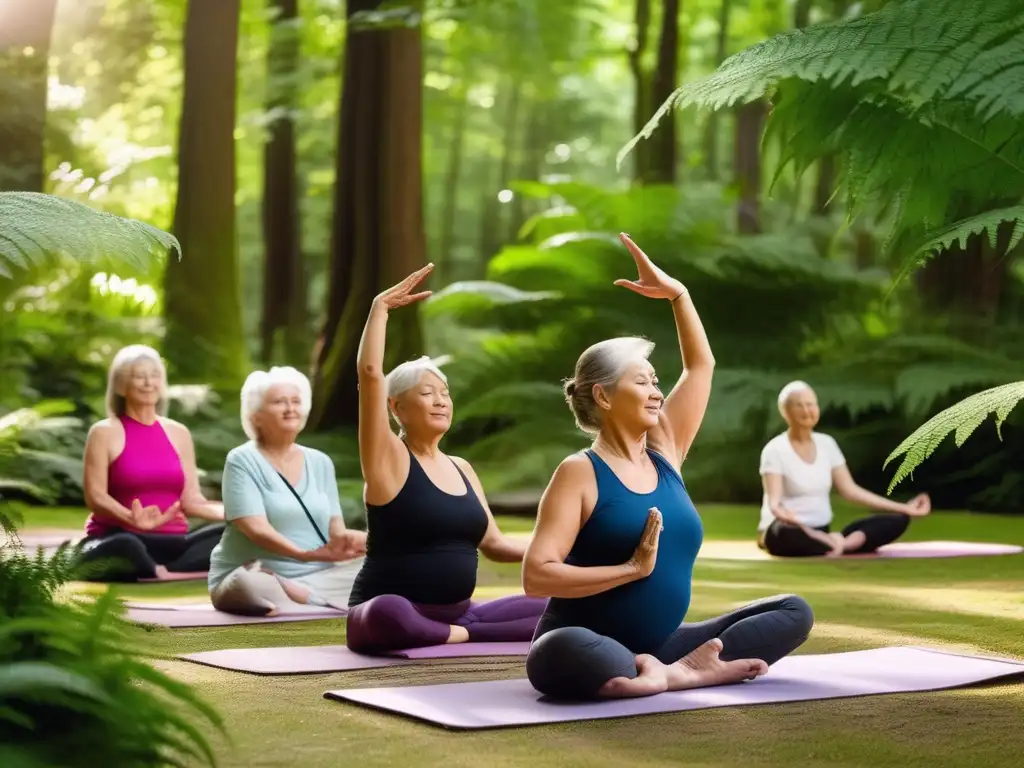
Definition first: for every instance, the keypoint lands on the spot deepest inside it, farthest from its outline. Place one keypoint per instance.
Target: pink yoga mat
(205, 615)
(338, 658)
(506, 703)
(945, 549)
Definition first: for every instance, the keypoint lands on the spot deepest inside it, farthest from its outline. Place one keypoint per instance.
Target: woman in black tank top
(426, 512)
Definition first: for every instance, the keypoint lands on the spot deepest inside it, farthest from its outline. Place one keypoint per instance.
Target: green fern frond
(963, 51)
(37, 228)
(962, 418)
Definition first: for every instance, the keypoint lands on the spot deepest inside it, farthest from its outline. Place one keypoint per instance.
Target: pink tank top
(148, 469)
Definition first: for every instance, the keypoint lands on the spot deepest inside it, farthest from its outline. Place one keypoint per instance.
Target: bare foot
(458, 634)
(652, 678)
(855, 541)
(160, 571)
(702, 668)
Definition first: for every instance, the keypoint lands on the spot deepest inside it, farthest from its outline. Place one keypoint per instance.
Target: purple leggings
(392, 623)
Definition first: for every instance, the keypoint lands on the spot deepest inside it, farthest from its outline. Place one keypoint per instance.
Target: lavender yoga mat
(506, 703)
(205, 615)
(338, 658)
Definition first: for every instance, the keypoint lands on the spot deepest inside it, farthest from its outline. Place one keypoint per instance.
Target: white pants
(249, 591)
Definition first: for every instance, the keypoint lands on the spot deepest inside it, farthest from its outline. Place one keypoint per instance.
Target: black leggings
(784, 540)
(574, 662)
(133, 556)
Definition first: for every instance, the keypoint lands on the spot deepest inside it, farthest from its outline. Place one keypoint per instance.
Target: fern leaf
(924, 50)
(37, 228)
(962, 419)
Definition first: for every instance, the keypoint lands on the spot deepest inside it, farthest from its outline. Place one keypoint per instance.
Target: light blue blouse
(250, 487)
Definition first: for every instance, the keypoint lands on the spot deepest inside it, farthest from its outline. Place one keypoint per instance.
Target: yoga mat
(506, 703)
(338, 658)
(205, 615)
(748, 550)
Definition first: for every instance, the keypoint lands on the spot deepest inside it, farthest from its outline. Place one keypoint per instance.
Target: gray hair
(121, 366)
(255, 389)
(601, 364)
(407, 375)
(788, 391)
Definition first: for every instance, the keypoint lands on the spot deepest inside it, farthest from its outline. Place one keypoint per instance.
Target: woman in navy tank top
(426, 512)
(617, 534)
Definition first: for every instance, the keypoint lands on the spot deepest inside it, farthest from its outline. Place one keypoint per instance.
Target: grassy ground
(974, 604)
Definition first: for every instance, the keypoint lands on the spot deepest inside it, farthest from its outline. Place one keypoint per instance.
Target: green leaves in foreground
(963, 418)
(37, 228)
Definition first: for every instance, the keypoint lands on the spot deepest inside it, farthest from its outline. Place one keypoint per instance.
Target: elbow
(533, 583)
(370, 372)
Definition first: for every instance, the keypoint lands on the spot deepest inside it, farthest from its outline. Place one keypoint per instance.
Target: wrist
(679, 294)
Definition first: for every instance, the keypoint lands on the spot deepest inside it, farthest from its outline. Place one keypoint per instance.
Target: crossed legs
(577, 663)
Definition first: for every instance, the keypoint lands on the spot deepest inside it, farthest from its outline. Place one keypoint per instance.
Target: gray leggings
(574, 662)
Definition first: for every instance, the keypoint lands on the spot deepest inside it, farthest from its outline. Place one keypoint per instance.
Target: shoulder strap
(303, 505)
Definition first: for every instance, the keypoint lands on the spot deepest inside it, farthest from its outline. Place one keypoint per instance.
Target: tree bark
(711, 129)
(202, 307)
(642, 101)
(25, 30)
(284, 273)
(662, 158)
(747, 165)
(377, 236)
(530, 166)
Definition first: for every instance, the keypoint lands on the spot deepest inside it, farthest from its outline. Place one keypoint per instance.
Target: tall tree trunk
(377, 237)
(747, 164)
(662, 158)
(284, 272)
(25, 30)
(491, 216)
(711, 139)
(641, 100)
(202, 305)
(450, 204)
(531, 164)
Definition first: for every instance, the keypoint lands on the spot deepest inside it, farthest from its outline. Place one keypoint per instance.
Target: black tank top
(422, 545)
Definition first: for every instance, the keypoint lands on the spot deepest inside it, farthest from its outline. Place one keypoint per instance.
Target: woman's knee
(383, 616)
(574, 662)
(801, 613)
(248, 593)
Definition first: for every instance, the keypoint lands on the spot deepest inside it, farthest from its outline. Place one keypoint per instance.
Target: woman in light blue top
(286, 540)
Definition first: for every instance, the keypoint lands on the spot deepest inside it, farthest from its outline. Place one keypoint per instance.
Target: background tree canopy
(307, 154)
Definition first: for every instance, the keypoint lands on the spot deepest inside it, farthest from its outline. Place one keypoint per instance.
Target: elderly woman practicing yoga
(140, 480)
(798, 469)
(426, 511)
(617, 534)
(286, 539)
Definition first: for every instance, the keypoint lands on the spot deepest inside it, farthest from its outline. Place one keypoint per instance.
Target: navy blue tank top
(422, 545)
(643, 613)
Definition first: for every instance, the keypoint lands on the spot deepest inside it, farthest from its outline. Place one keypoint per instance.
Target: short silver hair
(601, 364)
(788, 391)
(121, 367)
(407, 375)
(258, 383)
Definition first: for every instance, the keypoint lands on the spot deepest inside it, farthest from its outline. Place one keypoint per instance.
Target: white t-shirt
(805, 487)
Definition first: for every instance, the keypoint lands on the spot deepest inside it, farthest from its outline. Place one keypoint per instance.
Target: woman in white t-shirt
(798, 469)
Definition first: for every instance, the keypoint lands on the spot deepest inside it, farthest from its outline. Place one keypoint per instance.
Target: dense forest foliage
(306, 154)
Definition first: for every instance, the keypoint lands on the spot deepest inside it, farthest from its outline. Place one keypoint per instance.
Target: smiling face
(280, 416)
(425, 410)
(143, 384)
(801, 409)
(636, 400)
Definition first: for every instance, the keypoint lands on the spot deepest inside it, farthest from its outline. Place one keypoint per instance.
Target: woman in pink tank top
(141, 482)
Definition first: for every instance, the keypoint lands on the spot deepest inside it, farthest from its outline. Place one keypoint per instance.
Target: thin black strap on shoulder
(303, 505)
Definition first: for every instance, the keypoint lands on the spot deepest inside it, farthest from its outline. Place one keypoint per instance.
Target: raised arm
(559, 518)
(193, 503)
(96, 460)
(378, 444)
(686, 404)
(496, 546)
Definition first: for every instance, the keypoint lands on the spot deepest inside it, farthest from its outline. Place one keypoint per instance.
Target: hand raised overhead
(400, 295)
(653, 282)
